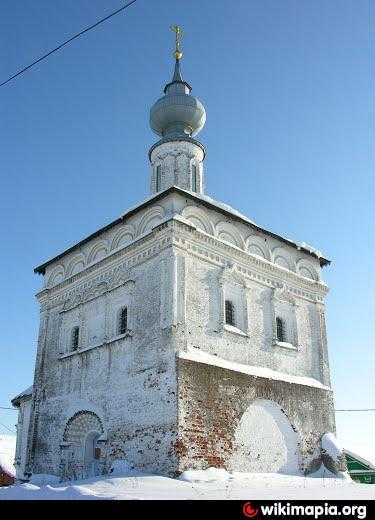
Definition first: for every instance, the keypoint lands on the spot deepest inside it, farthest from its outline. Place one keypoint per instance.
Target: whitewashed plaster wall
(256, 346)
(128, 381)
(22, 433)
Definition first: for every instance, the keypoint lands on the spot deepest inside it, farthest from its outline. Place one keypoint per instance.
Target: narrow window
(229, 312)
(97, 453)
(280, 333)
(75, 338)
(158, 177)
(123, 321)
(194, 178)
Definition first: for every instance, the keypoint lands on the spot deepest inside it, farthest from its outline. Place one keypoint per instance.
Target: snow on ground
(7, 453)
(196, 485)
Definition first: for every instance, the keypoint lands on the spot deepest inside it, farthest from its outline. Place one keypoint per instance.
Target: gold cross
(178, 31)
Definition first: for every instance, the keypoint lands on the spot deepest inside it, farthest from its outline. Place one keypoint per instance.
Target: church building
(181, 335)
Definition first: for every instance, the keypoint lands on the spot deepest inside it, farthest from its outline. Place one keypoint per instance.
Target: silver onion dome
(177, 113)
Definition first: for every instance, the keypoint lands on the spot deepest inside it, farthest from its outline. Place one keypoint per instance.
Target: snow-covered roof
(7, 454)
(206, 200)
(300, 245)
(197, 355)
(223, 206)
(360, 459)
(25, 393)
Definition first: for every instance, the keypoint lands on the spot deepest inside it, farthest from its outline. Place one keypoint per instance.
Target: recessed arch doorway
(81, 453)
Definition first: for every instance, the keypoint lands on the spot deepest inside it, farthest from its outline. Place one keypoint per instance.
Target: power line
(67, 41)
(356, 410)
(7, 428)
(8, 408)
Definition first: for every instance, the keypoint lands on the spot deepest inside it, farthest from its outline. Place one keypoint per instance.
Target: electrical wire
(7, 428)
(356, 410)
(66, 42)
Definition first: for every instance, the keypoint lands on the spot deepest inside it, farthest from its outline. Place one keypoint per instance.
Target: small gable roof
(16, 401)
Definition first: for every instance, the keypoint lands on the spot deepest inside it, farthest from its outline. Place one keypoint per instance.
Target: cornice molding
(114, 270)
(256, 268)
(100, 277)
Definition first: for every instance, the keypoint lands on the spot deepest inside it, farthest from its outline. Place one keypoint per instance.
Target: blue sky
(289, 92)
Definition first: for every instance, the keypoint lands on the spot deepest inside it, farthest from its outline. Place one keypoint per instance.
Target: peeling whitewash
(172, 264)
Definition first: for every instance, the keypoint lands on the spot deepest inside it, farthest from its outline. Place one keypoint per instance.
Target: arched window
(75, 338)
(229, 313)
(194, 182)
(158, 178)
(123, 320)
(280, 332)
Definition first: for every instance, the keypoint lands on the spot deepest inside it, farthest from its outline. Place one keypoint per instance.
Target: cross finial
(178, 31)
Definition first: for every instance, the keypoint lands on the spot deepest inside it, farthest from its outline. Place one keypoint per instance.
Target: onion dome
(177, 114)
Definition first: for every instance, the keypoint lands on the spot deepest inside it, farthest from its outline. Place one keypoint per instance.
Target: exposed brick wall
(213, 400)
(5, 479)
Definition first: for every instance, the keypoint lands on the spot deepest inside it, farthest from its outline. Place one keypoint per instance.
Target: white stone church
(180, 336)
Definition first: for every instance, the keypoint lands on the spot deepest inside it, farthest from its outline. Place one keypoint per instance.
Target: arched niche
(282, 258)
(227, 232)
(56, 276)
(307, 270)
(257, 246)
(265, 441)
(123, 237)
(150, 219)
(198, 218)
(98, 251)
(76, 265)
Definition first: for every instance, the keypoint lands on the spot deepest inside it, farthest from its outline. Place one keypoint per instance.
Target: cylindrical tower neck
(177, 162)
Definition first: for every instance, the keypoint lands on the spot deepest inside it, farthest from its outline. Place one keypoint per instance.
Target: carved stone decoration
(282, 294)
(229, 273)
(97, 288)
(122, 276)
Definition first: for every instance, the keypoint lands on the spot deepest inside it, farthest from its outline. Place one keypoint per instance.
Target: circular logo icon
(249, 510)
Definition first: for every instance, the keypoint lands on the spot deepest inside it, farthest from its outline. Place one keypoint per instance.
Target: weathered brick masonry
(212, 401)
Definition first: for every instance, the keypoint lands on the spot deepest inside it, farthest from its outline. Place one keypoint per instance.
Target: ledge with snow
(194, 354)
